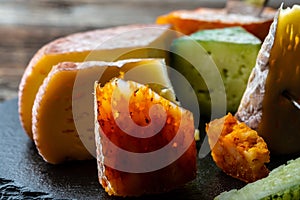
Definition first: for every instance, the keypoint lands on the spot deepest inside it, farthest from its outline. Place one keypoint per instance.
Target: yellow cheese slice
(132, 41)
(63, 113)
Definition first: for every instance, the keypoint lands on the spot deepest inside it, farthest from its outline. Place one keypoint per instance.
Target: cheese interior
(63, 113)
(280, 123)
(168, 156)
(105, 45)
(233, 51)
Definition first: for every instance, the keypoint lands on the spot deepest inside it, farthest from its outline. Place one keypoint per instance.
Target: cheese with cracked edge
(131, 41)
(234, 51)
(265, 106)
(63, 114)
(140, 170)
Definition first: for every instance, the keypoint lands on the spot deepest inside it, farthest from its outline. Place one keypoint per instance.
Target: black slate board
(24, 175)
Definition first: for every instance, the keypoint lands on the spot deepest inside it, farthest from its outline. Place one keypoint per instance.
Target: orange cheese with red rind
(119, 182)
(189, 21)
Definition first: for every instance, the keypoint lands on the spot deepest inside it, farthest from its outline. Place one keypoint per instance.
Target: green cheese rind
(236, 35)
(282, 183)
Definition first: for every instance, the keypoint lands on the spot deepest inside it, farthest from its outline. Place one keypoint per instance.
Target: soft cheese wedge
(63, 114)
(190, 21)
(132, 41)
(145, 143)
(271, 101)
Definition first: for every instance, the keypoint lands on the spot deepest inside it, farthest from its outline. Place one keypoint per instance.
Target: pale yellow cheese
(132, 41)
(63, 114)
(280, 122)
(269, 104)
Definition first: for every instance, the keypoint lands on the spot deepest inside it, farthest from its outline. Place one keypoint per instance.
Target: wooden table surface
(27, 25)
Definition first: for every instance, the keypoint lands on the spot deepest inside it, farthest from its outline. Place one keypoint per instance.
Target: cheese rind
(191, 21)
(63, 116)
(132, 41)
(264, 106)
(136, 165)
(280, 122)
(283, 182)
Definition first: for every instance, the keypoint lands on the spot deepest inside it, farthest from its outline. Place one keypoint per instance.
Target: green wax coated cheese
(282, 183)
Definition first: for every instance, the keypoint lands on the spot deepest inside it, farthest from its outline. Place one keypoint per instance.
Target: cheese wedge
(145, 143)
(270, 101)
(190, 21)
(132, 41)
(233, 50)
(63, 114)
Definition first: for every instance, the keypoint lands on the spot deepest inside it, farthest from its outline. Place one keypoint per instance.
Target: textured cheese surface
(63, 116)
(190, 21)
(132, 41)
(236, 35)
(130, 164)
(267, 105)
(282, 183)
(250, 108)
(233, 50)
